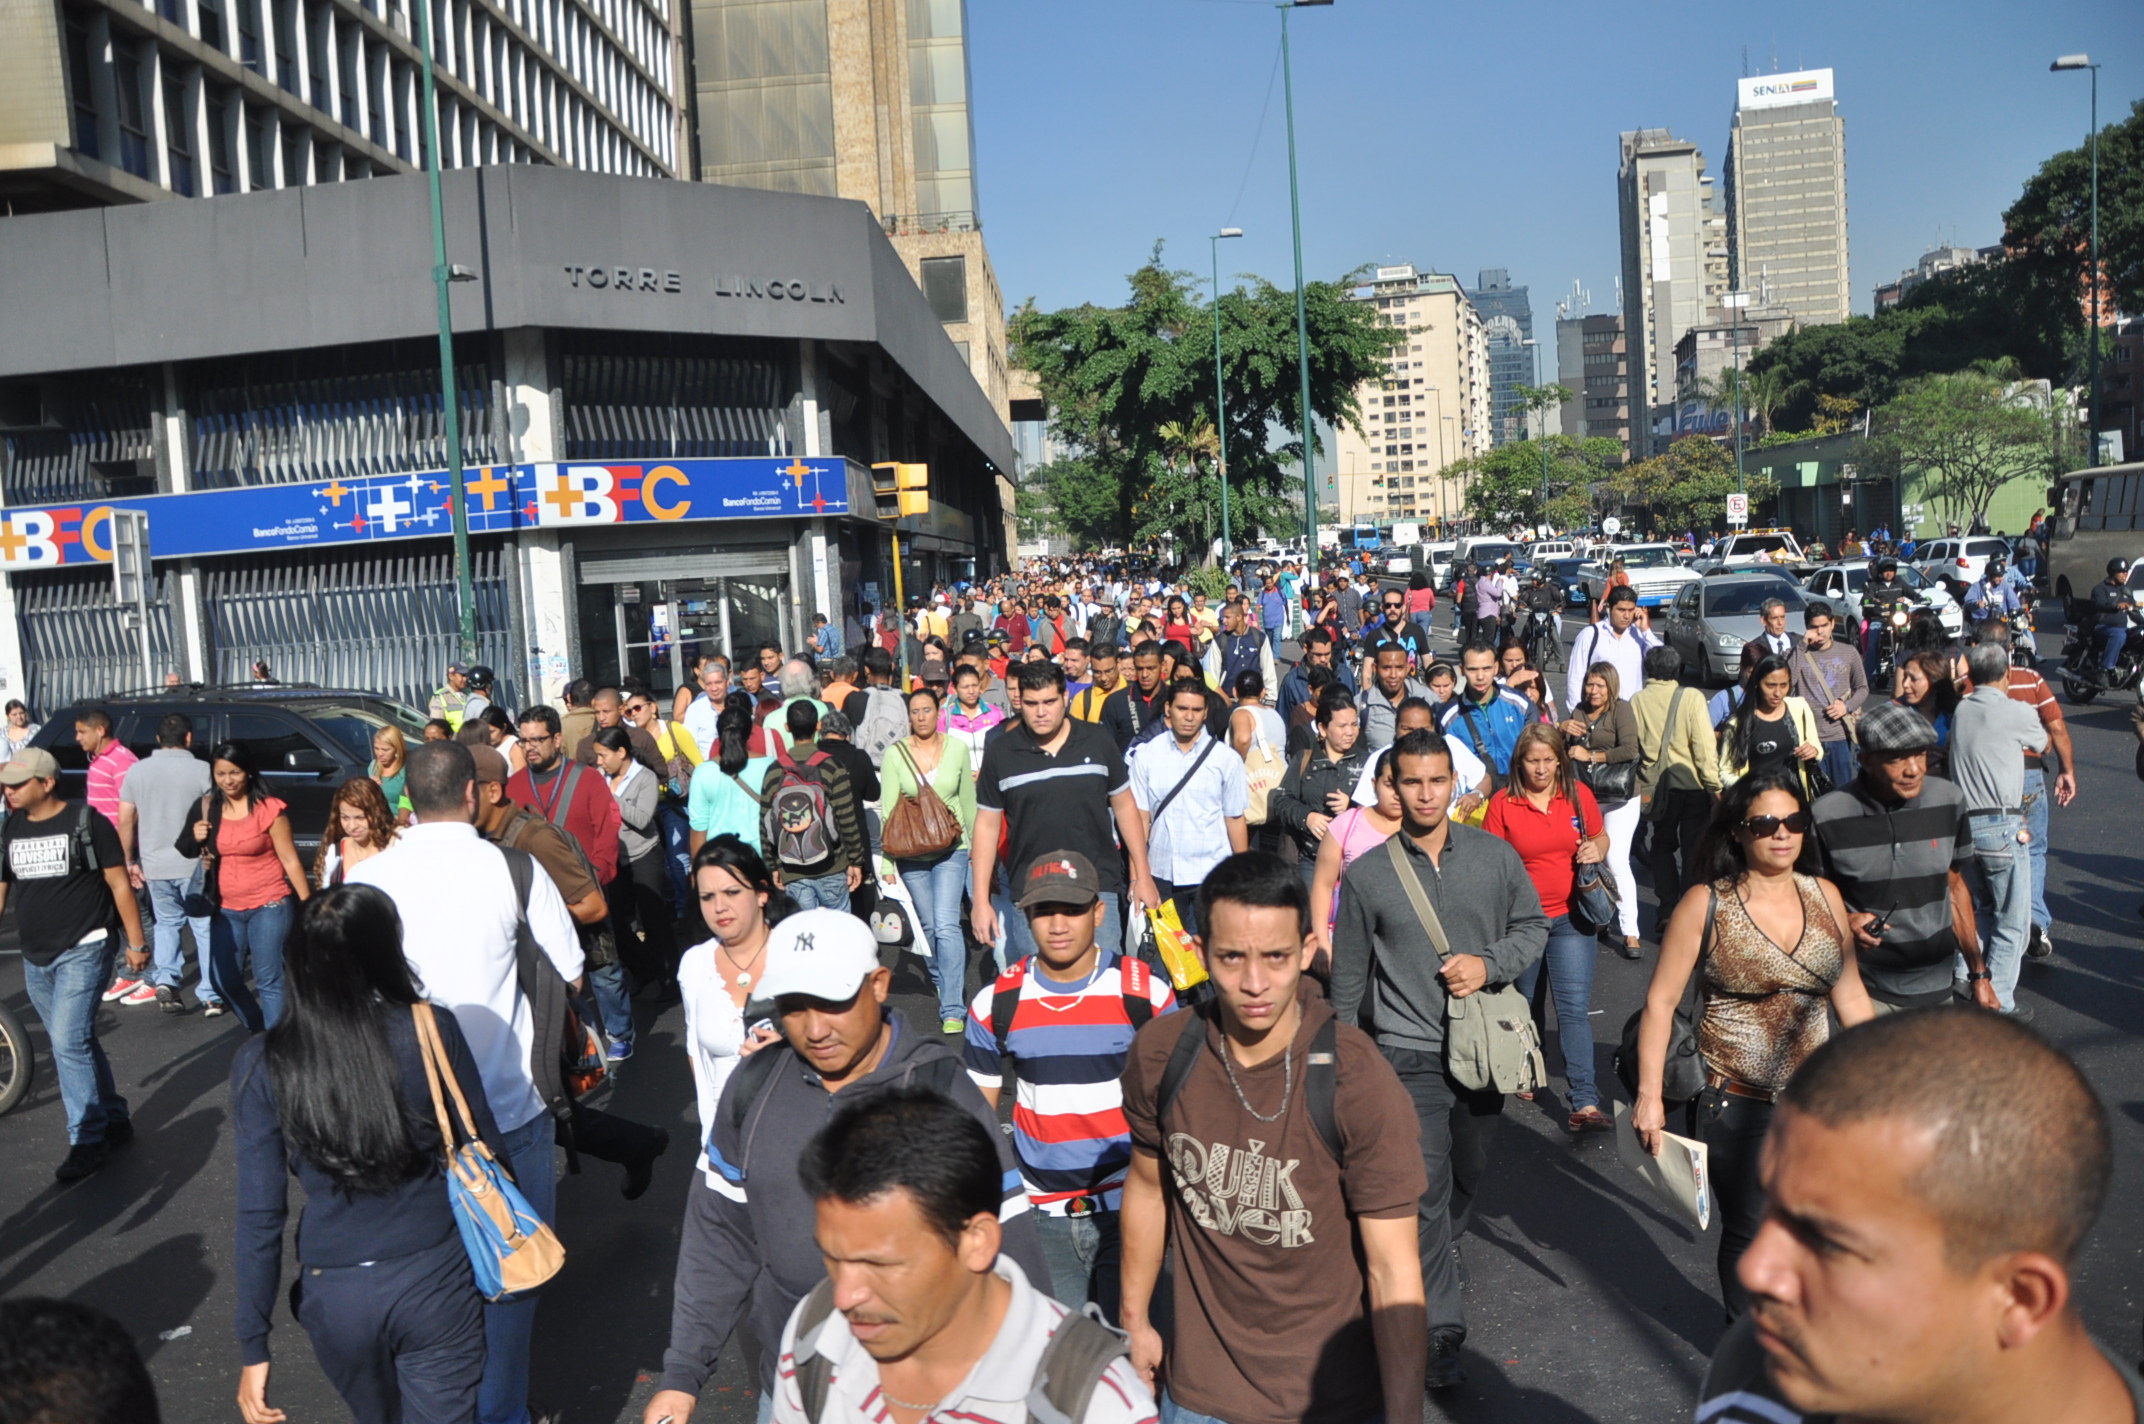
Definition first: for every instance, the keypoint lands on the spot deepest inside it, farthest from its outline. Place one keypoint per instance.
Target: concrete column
(14, 680)
(190, 653)
(808, 384)
(825, 575)
(548, 593)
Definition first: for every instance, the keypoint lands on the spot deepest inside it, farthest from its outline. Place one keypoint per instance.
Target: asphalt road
(1588, 1302)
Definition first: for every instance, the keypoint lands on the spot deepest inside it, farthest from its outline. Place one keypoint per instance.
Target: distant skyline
(1445, 137)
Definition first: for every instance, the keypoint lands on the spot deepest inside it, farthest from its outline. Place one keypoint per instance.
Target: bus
(2099, 515)
(1363, 537)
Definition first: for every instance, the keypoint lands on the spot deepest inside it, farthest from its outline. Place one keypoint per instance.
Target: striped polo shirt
(1897, 860)
(107, 770)
(1068, 1043)
(2030, 688)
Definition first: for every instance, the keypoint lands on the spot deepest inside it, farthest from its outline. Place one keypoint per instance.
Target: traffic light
(899, 490)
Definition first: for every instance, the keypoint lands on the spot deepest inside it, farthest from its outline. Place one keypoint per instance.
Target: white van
(1550, 549)
(1436, 560)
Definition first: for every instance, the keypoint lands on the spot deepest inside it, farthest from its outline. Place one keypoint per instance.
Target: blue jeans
(677, 855)
(936, 887)
(830, 892)
(1426, 621)
(65, 994)
(2036, 822)
(1841, 762)
(1273, 639)
(613, 1005)
(1084, 1254)
(2111, 642)
(1570, 960)
(168, 902)
(503, 1398)
(239, 936)
(2002, 899)
(1020, 941)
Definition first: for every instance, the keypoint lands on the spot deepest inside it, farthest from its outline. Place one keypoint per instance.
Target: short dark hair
(1077, 645)
(1317, 633)
(1185, 687)
(1422, 741)
(803, 719)
(439, 773)
(1621, 593)
(611, 739)
(541, 716)
(1333, 699)
(910, 1140)
(1102, 653)
(1250, 683)
(1035, 676)
(70, 1363)
(1411, 703)
(174, 729)
(2022, 1156)
(878, 662)
(1258, 880)
(580, 692)
(1663, 664)
(1818, 608)
(1147, 648)
(1477, 645)
(94, 717)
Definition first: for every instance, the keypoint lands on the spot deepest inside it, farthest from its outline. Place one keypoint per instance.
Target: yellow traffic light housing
(900, 490)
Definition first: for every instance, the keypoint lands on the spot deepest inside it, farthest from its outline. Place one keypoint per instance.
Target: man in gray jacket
(1386, 972)
(747, 1247)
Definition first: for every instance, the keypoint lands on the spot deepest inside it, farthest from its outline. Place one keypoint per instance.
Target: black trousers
(642, 892)
(1732, 1129)
(402, 1340)
(1458, 1126)
(1678, 825)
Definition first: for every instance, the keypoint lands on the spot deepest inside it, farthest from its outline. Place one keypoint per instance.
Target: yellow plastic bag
(1185, 968)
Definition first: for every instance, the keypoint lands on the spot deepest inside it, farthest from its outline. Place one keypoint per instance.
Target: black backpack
(82, 841)
(1321, 1077)
(749, 1083)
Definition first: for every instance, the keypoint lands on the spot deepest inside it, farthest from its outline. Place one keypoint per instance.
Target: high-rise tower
(1786, 196)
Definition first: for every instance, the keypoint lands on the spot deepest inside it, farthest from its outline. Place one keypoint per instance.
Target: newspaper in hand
(1680, 1174)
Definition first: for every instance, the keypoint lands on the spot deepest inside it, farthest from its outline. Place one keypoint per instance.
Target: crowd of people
(1254, 1161)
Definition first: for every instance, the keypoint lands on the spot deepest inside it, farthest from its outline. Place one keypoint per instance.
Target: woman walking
(739, 903)
(1554, 824)
(928, 756)
(723, 797)
(1353, 831)
(1772, 730)
(1925, 685)
(390, 767)
(1320, 783)
(1767, 937)
(1602, 737)
(638, 892)
(253, 876)
(336, 1093)
(19, 728)
(359, 827)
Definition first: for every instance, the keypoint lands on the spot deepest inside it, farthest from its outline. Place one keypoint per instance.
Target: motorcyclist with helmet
(1999, 592)
(2111, 605)
(1882, 596)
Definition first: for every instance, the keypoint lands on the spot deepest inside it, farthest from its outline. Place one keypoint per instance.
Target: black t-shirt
(1058, 802)
(1770, 743)
(59, 900)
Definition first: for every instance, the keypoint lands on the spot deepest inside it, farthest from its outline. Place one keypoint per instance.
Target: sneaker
(620, 1050)
(214, 1009)
(142, 993)
(2041, 945)
(168, 1000)
(118, 1132)
(121, 987)
(2021, 1014)
(1445, 1371)
(953, 1025)
(83, 1159)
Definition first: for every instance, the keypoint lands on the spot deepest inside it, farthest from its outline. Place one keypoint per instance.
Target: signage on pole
(1611, 526)
(1738, 509)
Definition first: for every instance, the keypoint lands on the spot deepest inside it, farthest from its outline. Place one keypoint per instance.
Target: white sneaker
(142, 993)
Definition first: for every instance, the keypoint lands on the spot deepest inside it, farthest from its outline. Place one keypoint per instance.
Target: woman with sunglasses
(1766, 937)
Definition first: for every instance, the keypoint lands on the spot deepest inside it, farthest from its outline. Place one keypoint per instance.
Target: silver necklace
(1287, 1089)
(900, 1403)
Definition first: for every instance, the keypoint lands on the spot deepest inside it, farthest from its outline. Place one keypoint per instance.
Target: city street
(1587, 1302)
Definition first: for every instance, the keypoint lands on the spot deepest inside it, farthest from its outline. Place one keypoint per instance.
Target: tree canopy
(1969, 433)
(1130, 392)
(2049, 227)
(1687, 487)
(1505, 486)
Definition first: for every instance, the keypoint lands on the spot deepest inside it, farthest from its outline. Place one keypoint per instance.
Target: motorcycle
(2082, 679)
(2024, 645)
(1888, 622)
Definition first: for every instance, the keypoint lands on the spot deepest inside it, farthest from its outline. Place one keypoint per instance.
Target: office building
(123, 103)
(1934, 263)
(1430, 410)
(1674, 264)
(1593, 363)
(1705, 353)
(1786, 196)
(1508, 317)
(671, 397)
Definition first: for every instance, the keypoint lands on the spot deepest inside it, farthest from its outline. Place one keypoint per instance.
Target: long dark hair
(1721, 854)
(1736, 732)
(727, 852)
(338, 1087)
(236, 754)
(733, 736)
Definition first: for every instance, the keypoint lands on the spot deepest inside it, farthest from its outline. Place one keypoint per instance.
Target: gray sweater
(1381, 953)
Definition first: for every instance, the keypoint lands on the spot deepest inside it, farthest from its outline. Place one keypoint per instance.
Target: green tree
(1504, 486)
(2049, 227)
(1115, 378)
(1687, 487)
(1969, 433)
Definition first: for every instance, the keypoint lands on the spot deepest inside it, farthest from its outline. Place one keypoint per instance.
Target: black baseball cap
(1060, 877)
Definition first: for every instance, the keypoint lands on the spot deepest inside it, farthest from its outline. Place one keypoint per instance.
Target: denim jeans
(1841, 762)
(677, 855)
(65, 994)
(1084, 1254)
(2036, 822)
(936, 886)
(1457, 1125)
(503, 1398)
(1020, 942)
(237, 937)
(829, 892)
(168, 902)
(2002, 899)
(613, 1005)
(1569, 961)
(2111, 642)
(1174, 1413)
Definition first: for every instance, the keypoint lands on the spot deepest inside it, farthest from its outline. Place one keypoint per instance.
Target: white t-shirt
(714, 1031)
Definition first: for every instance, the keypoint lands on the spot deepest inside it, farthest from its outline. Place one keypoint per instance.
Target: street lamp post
(1220, 392)
(1735, 302)
(442, 275)
(2084, 61)
(1540, 418)
(1302, 320)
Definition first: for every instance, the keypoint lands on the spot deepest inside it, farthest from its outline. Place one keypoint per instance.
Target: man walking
(1193, 794)
(461, 921)
(1317, 652)
(566, 793)
(1393, 629)
(1488, 927)
(62, 866)
(812, 829)
(1134, 710)
(1990, 733)
(109, 763)
(450, 701)
(1612, 640)
(160, 794)
(1831, 679)
(1237, 649)
(701, 712)
(1484, 714)
(2028, 687)
(1389, 686)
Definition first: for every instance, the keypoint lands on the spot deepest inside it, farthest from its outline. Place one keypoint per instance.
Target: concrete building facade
(1786, 196)
(1674, 264)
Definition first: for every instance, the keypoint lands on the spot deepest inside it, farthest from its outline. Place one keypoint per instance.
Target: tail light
(1962, 562)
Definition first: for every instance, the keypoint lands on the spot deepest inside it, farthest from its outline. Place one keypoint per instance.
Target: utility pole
(1302, 321)
(1220, 390)
(2084, 61)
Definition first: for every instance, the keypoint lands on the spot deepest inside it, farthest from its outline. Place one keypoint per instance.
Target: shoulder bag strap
(1667, 728)
(439, 1073)
(1481, 748)
(1419, 898)
(815, 1372)
(1197, 762)
(1321, 1081)
(1182, 1058)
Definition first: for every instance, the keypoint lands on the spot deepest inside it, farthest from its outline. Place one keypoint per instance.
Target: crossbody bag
(1852, 720)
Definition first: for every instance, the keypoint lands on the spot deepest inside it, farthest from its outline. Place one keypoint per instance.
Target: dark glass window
(269, 738)
(945, 285)
(257, 148)
(178, 131)
(84, 94)
(133, 106)
(222, 171)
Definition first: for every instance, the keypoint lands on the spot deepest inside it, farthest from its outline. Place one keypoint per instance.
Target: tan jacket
(1678, 758)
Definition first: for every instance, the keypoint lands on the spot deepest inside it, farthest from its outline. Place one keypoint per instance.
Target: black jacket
(1311, 777)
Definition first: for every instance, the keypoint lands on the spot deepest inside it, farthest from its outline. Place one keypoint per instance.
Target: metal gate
(382, 624)
(76, 645)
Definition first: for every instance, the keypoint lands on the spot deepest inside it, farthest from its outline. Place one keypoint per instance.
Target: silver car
(1711, 619)
(1840, 585)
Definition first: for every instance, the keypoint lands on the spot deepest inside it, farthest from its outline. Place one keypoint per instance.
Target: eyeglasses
(1763, 828)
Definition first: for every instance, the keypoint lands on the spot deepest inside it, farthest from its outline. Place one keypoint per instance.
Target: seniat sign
(364, 509)
(1772, 91)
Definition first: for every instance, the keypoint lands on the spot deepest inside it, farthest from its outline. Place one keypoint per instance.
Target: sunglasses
(1394, 607)
(1765, 827)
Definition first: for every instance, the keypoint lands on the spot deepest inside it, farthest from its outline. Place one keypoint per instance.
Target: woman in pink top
(1353, 831)
(252, 875)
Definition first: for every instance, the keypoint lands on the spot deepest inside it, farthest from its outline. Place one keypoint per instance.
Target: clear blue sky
(1465, 136)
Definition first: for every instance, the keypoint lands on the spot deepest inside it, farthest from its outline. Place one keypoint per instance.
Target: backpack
(1005, 998)
(1321, 1076)
(798, 822)
(1080, 1351)
(560, 1045)
(750, 1080)
(885, 722)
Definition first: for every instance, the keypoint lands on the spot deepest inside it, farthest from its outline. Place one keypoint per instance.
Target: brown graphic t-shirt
(1272, 1318)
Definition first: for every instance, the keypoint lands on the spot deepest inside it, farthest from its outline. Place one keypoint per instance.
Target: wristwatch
(1983, 974)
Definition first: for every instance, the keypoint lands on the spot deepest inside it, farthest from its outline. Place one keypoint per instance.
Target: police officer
(1995, 594)
(2111, 603)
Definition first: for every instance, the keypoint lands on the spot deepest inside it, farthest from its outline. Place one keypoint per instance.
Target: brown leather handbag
(920, 826)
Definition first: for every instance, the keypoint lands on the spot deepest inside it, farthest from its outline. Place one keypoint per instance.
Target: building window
(249, 33)
(223, 177)
(178, 132)
(294, 153)
(127, 80)
(284, 15)
(211, 13)
(257, 148)
(85, 95)
(945, 285)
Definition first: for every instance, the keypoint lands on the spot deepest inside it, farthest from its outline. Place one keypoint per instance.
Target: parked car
(1569, 573)
(1755, 548)
(1840, 584)
(1656, 572)
(1957, 563)
(305, 741)
(1549, 549)
(1712, 618)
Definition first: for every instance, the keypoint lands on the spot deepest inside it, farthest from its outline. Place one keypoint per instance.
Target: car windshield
(1752, 543)
(1651, 556)
(1745, 598)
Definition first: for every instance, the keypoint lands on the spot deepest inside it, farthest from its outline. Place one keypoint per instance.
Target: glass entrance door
(657, 632)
